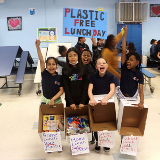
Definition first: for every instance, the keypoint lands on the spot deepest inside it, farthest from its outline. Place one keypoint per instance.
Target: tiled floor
(19, 139)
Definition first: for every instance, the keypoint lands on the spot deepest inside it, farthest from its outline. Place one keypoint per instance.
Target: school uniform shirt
(81, 47)
(76, 89)
(130, 80)
(101, 85)
(152, 50)
(157, 49)
(51, 84)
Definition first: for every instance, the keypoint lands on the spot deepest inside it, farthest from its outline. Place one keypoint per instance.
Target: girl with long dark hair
(75, 79)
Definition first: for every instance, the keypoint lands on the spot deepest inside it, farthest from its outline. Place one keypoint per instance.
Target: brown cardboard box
(131, 120)
(103, 117)
(81, 113)
(46, 110)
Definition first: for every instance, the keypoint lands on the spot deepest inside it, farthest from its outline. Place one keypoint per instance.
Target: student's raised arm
(42, 63)
(123, 56)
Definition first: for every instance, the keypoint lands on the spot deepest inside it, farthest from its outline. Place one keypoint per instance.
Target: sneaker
(106, 149)
(97, 148)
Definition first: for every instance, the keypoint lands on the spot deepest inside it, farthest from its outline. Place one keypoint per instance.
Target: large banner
(84, 23)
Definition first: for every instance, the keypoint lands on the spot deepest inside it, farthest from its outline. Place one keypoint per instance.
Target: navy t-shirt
(129, 80)
(101, 85)
(157, 49)
(51, 84)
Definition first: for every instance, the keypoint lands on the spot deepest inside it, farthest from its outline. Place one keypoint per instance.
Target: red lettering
(66, 31)
(76, 21)
(67, 10)
(94, 32)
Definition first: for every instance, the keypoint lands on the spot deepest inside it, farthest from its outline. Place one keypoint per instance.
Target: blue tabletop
(7, 57)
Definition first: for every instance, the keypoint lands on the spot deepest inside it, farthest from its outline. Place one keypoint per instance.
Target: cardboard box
(57, 110)
(103, 117)
(131, 120)
(81, 113)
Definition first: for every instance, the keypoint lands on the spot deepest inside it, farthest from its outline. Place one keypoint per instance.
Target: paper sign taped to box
(52, 141)
(79, 144)
(129, 145)
(106, 138)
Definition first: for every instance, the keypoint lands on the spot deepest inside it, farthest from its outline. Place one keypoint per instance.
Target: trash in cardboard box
(77, 125)
(50, 124)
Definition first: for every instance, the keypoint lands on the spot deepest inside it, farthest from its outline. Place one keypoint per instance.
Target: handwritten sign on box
(129, 145)
(79, 144)
(52, 141)
(106, 138)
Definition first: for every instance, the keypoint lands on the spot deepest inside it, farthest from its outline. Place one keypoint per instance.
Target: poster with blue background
(84, 23)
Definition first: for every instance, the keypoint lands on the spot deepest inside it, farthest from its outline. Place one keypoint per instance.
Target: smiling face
(73, 57)
(51, 66)
(86, 57)
(101, 66)
(132, 62)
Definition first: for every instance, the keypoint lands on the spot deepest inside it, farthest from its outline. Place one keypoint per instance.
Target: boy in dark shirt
(97, 48)
(81, 45)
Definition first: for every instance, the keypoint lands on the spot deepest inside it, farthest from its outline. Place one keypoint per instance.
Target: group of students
(82, 78)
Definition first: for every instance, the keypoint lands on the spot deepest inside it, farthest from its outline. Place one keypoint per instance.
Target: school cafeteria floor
(19, 139)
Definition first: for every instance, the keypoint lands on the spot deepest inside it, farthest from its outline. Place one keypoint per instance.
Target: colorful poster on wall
(84, 23)
(47, 34)
(14, 23)
(155, 10)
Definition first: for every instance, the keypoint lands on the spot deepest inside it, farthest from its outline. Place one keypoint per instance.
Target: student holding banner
(111, 56)
(97, 48)
(81, 45)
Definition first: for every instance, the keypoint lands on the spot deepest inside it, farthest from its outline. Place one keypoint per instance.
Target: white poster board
(79, 144)
(52, 141)
(129, 145)
(106, 138)
(98, 98)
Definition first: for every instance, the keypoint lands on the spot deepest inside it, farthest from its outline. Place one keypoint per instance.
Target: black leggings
(96, 136)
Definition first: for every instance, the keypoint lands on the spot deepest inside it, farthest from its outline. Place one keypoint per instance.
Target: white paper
(79, 144)
(106, 138)
(98, 98)
(52, 141)
(131, 102)
(129, 145)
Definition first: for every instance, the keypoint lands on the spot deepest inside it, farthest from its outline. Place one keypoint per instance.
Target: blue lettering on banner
(84, 23)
